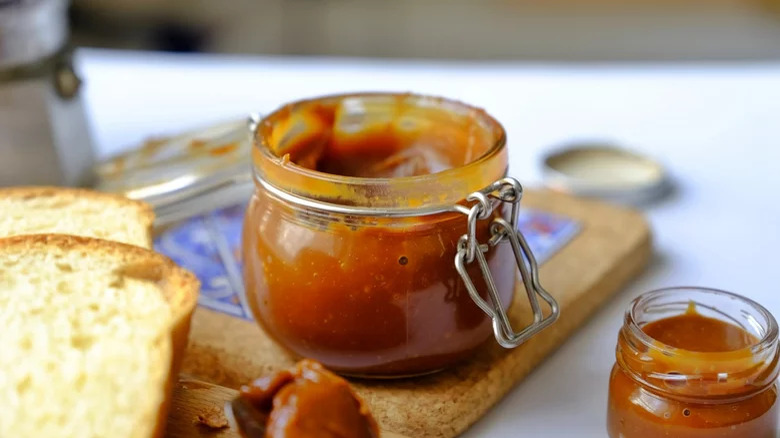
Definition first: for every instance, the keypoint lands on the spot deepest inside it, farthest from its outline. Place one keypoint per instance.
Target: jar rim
(767, 340)
(469, 177)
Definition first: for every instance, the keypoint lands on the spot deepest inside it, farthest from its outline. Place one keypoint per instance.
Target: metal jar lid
(606, 171)
(31, 30)
(184, 175)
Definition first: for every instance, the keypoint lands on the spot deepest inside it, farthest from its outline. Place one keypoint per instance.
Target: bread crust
(145, 212)
(179, 286)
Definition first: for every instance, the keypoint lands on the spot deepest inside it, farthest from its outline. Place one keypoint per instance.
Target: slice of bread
(36, 210)
(92, 336)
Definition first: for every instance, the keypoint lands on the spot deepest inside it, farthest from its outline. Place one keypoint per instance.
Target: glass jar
(360, 247)
(695, 363)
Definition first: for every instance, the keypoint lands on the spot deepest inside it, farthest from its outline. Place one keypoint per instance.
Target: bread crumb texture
(86, 350)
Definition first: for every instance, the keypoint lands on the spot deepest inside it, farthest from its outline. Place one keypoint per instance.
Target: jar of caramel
(695, 363)
(381, 238)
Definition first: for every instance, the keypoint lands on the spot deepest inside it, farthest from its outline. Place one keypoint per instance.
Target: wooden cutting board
(611, 248)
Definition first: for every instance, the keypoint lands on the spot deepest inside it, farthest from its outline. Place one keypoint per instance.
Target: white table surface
(716, 127)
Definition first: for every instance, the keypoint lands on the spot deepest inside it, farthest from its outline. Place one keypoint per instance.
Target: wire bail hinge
(507, 190)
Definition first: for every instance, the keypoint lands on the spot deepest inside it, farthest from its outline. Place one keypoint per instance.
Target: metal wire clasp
(469, 249)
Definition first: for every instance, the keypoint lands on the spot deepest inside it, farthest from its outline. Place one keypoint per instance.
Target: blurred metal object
(31, 30)
(44, 136)
(606, 171)
(184, 175)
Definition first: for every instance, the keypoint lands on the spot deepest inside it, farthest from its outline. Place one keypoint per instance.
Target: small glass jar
(377, 274)
(720, 380)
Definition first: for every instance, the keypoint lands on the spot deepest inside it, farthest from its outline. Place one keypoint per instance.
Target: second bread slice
(36, 210)
(92, 332)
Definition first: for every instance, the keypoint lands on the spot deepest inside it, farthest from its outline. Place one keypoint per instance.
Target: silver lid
(606, 171)
(184, 175)
(31, 30)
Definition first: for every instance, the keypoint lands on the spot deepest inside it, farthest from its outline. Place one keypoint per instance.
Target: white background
(716, 127)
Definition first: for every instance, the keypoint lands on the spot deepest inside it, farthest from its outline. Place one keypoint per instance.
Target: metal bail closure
(507, 190)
